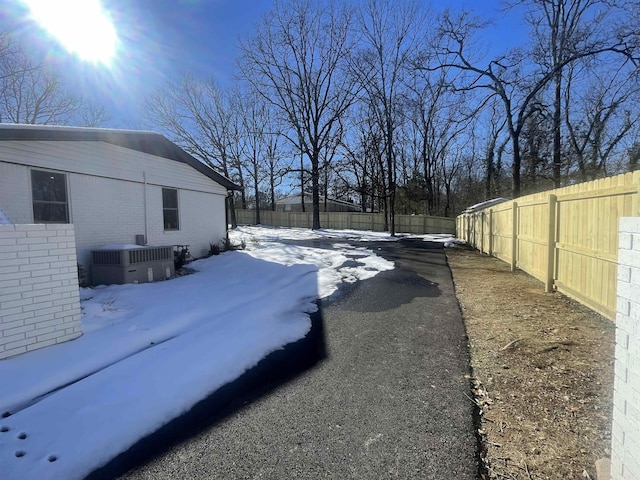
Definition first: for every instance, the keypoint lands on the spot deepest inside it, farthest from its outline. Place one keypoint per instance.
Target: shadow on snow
(273, 371)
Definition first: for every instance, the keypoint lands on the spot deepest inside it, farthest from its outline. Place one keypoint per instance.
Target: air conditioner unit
(131, 265)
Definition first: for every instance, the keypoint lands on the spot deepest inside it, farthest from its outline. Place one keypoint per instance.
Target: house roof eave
(142, 141)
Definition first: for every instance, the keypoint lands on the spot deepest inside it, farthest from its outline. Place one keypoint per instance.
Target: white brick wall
(201, 216)
(39, 296)
(105, 211)
(625, 449)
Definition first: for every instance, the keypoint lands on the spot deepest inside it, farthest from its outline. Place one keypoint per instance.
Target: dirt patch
(543, 372)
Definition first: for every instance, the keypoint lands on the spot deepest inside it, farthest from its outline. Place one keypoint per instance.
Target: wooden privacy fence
(567, 238)
(417, 224)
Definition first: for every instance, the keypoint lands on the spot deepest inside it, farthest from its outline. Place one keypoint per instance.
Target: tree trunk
(490, 168)
(448, 198)
(243, 194)
(257, 191)
(315, 190)
(516, 168)
(557, 111)
(272, 193)
(326, 188)
(231, 209)
(373, 201)
(391, 181)
(302, 183)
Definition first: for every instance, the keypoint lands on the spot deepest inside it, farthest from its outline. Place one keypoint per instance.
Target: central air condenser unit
(131, 265)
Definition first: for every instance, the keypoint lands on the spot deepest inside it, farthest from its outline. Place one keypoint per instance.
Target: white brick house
(625, 445)
(111, 185)
(65, 191)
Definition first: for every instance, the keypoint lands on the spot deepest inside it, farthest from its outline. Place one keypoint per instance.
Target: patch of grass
(214, 249)
(225, 245)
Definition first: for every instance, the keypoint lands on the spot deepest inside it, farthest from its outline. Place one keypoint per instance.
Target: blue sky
(162, 39)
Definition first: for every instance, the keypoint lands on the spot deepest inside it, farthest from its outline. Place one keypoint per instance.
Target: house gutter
(229, 212)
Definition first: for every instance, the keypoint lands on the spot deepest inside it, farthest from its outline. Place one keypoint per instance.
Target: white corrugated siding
(106, 160)
(107, 193)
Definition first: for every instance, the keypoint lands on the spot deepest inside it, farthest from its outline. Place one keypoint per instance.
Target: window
(49, 192)
(170, 208)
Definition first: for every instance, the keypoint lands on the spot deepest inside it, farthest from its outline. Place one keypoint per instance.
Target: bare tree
(197, 115)
(91, 114)
(439, 115)
(233, 105)
(509, 77)
(564, 31)
(492, 152)
(361, 153)
(392, 35)
(599, 117)
(262, 146)
(296, 60)
(278, 161)
(36, 97)
(31, 93)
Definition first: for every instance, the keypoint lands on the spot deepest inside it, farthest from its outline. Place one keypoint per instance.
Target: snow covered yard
(151, 351)
(256, 234)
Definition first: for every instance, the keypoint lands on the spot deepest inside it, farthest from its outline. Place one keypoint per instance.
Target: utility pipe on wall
(146, 233)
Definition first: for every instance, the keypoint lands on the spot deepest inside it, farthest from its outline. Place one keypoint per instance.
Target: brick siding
(39, 297)
(625, 449)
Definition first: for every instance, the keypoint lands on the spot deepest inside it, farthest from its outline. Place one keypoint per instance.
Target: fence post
(551, 244)
(514, 235)
(491, 232)
(482, 232)
(475, 229)
(636, 196)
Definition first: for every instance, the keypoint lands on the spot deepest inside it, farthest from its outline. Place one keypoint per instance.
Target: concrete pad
(603, 469)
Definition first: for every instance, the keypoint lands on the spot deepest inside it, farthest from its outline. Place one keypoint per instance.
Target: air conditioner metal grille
(150, 254)
(131, 256)
(132, 265)
(106, 257)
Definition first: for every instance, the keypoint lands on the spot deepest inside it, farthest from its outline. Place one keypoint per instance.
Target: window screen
(170, 208)
(49, 192)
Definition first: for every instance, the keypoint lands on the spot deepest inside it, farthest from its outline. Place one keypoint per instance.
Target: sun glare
(81, 26)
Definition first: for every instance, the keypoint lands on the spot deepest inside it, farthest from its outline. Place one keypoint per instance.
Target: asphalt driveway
(387, 399)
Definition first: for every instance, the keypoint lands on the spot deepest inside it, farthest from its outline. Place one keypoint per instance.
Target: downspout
(146, 236)
(227, 207)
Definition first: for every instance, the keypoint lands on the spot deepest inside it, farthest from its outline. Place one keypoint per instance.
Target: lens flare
(81, 26)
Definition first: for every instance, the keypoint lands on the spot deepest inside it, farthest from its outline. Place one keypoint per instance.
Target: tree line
(399, 108)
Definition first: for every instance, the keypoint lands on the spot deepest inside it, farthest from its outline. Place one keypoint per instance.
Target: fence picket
(416, 224)
(567, 237)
